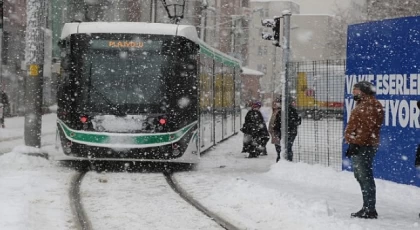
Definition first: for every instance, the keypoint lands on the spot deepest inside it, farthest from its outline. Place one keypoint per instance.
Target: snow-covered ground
(252, 193)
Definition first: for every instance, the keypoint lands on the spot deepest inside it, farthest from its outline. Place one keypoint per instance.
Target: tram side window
(206, 82)
(238, 82)
(218, 86)
(188, 59)
(228, 87)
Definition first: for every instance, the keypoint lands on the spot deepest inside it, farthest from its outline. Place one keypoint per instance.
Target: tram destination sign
(126, 44)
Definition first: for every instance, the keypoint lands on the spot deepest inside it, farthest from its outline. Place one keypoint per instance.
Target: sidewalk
(15, 127)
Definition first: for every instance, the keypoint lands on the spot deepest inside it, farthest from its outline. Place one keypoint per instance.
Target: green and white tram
(132, 91)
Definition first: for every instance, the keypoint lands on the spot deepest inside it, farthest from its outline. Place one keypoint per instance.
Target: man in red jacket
(362, 135)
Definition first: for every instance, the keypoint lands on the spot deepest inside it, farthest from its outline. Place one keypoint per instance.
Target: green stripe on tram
(141, 139)
(220, 58)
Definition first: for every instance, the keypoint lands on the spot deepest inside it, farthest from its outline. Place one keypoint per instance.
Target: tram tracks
(81, 219)
(189, 199)
(84, 223)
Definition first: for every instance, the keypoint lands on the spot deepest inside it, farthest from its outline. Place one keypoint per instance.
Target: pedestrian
(362, 135)
(5, 110)
(275, 134)
(293, 121)
(255, 132)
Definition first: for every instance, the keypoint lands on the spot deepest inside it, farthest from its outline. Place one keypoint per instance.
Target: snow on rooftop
(186, 31)
(248, 71)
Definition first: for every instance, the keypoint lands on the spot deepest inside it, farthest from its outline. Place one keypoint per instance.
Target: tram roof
(186, 31)
(218, 55)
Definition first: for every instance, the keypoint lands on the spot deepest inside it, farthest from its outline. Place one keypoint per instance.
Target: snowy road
(251, 193)
(138, 201)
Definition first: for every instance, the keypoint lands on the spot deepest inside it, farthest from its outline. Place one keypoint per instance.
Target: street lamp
(175, 9)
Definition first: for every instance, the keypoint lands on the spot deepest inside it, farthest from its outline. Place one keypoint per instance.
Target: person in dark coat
(255, 132)
(294, 120)
(275, 136)
(362, 135)
(5, 102)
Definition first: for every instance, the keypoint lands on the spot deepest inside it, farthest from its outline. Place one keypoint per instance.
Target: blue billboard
(387, 53)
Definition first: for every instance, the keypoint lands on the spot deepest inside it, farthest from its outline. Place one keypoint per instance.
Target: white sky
(320, 6)
(252, 193)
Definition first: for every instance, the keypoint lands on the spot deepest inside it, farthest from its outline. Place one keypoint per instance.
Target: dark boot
(365, 213)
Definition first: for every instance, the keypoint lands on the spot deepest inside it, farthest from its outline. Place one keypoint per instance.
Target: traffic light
(275, 25)
(276, 31)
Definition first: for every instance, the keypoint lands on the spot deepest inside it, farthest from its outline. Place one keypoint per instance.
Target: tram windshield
(128, 73)
(126, 78)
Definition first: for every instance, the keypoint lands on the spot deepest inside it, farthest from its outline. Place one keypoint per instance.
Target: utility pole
(153, 10)
(285, 81)
(204, 5)
(2, 107)
(36, 23)
(1, 43)
(232, 38)
(234, 31)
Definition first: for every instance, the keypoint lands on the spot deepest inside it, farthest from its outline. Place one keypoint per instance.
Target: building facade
(224, 26)
(309, 41)
(263, 56)
(13, 53)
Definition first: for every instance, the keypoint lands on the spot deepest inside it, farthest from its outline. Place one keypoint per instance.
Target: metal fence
(317, 90)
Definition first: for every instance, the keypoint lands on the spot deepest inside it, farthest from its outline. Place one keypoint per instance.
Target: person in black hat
(4, 100)
(255, 132)
(362, 135)
(294, 120)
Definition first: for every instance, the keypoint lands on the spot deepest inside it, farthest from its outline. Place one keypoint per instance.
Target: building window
(262, 50)
(262, 68)
(260, 53)
(265, 50)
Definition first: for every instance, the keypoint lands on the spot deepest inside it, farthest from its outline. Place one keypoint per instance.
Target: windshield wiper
(114, 108)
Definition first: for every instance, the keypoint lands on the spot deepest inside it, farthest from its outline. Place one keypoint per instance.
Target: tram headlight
(175, 149)
(67, 147)
(176, 152)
